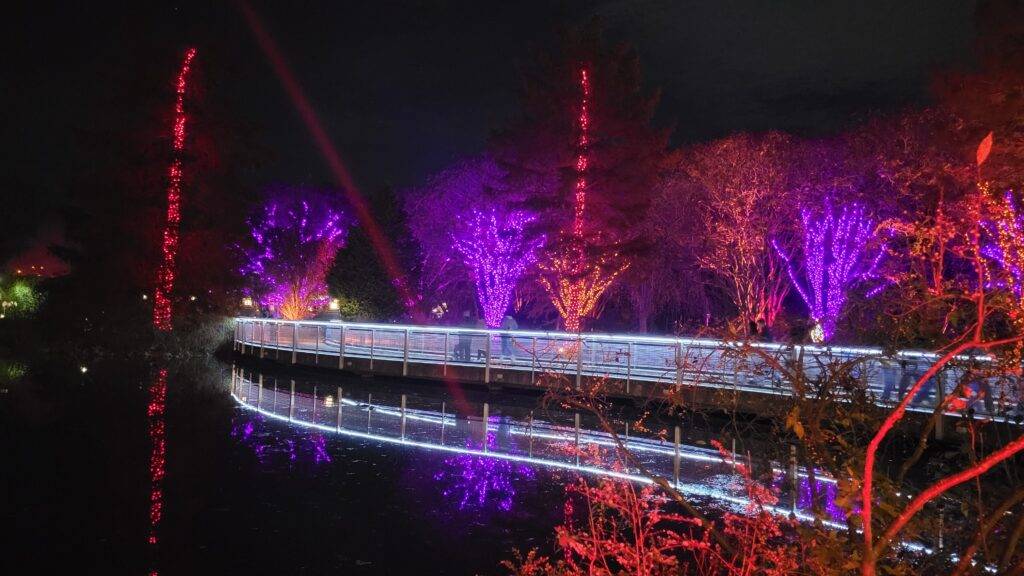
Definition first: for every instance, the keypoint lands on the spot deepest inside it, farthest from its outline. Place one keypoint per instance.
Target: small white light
(334, 305)
(145, 297)
(192, 298)
(329, 401)
(247, 302)
(83, 369)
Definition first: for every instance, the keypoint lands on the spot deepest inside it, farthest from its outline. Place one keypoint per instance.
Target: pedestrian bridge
(715, 372)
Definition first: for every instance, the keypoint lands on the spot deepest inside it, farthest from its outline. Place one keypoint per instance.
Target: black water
(233, 492)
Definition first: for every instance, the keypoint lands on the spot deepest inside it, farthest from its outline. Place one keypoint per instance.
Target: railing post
(485, 423)
(675, 460)
(533, 361)
(234, 379)
(579, 360)
(629, 366)
(341, 349)
(291, 403)
(238, 330)
(444, 365)
(316, 347)
(373, 339)
(295, 341)
(405, 355)
(403, 416)
(679, 362)
(263, 339)
(242, 340)
(487, 358)
(337, 424)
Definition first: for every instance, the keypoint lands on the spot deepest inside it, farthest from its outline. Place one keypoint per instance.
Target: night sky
(405, 88)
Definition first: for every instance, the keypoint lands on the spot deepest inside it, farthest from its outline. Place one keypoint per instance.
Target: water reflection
(256, 433)
(479, 482)
(158, 452)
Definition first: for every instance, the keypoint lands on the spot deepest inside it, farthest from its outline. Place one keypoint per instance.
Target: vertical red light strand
(581, 157)
(162, 312)
(157, 454)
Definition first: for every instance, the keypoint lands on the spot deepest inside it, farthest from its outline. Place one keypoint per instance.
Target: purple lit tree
(497, 252)
(1005, 246)
(835, 257)
(295, 237)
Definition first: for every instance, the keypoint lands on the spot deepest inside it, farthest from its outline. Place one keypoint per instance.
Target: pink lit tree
(498, 251)
(835, 257)
(295, 237)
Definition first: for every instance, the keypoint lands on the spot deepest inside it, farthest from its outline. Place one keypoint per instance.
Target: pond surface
(196, 469)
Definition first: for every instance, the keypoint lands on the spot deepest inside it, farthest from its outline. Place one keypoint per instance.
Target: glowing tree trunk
(833, 261)
(1006, 247)
(574, 283)
(162, 318)
(498, 253)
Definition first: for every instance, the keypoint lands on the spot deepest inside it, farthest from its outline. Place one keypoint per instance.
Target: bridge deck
(634, 362)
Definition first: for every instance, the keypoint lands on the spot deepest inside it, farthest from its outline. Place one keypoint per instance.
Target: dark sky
(405, 88)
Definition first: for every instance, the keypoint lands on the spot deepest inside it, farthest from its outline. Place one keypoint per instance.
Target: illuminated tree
(295, 238)
(169, 247)
(747, 199)
(835, 257)
(584, 158)
(1005, 246)
(498, 252)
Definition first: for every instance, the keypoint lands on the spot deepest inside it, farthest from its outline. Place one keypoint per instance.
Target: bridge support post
(675, 459)
(291, 403)
(313, 420)
(485, 423)
(337, 422)
(576, 421)
(403, 416)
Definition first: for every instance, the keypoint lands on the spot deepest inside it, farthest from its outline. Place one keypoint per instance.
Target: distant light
(192, 298)
(2, 316)
(83, 369)
(329, 401)
(145, 297)
(335, 304)
(247, 302)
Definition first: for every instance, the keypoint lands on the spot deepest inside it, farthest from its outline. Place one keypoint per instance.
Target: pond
(208, 468)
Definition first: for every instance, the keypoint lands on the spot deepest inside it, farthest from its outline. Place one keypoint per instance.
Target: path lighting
(334, 305)
(247, 302)
(329, 402)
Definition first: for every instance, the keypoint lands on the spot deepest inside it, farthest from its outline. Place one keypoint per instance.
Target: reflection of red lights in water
(158, 451)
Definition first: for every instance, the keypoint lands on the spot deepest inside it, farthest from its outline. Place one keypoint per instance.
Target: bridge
(715, 371)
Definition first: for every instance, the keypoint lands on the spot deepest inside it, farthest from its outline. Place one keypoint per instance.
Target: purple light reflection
(478, 482)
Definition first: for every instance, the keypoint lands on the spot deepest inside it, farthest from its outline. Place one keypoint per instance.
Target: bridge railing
(632, 358)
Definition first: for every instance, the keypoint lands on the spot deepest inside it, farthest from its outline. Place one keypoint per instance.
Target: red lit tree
(747, 200)
(584, 158)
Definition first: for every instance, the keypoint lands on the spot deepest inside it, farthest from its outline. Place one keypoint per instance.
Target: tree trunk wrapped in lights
(498, 252)
(835, 246)
(162, 312)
